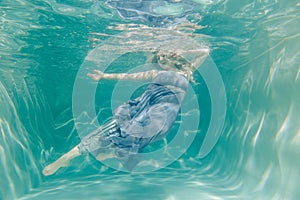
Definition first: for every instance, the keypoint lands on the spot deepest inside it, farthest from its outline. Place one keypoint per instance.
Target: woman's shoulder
(171, 78)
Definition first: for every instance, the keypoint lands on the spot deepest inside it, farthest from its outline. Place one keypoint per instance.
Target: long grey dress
(140, 121)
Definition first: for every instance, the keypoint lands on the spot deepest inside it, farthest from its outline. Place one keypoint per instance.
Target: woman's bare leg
(102, 157)
(63, 161)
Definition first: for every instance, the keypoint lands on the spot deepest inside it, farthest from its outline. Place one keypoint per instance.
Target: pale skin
(65, 159)
(135, 76)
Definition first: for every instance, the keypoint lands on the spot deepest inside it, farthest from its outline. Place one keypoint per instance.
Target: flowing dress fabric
(140, 121)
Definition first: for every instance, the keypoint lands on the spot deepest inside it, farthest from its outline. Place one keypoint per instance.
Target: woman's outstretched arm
(97, 75)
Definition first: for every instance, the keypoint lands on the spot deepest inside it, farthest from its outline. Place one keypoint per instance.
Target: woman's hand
(97, 75)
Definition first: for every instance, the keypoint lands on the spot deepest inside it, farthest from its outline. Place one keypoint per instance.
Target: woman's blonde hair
(172, 61)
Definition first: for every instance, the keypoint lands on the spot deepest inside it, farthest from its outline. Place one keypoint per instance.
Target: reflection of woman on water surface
(137, 122)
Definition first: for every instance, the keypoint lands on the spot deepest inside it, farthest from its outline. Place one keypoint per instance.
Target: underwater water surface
(254, 44)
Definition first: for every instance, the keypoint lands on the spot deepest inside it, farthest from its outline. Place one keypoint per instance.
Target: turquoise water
(255, 45)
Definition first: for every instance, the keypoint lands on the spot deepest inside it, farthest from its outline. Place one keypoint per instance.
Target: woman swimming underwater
(136, 123)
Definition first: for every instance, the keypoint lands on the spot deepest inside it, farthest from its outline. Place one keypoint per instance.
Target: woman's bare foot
(63, 161)
(53, 167)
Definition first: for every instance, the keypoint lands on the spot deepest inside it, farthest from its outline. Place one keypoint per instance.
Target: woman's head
(173, 61)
